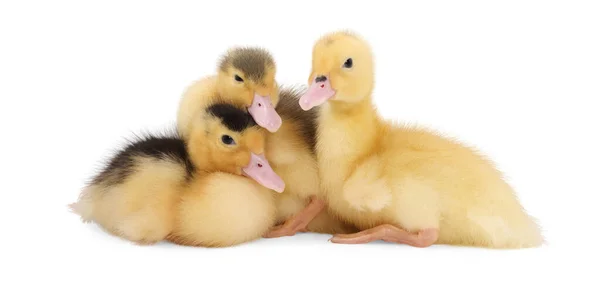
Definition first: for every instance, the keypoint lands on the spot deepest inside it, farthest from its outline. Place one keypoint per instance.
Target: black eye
(348, 63)
(227, 140)
(238, 78)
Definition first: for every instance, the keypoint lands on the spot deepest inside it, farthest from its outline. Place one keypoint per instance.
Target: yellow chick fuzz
(246, 78)
(399, 183)
(161, 187)
(291, 152)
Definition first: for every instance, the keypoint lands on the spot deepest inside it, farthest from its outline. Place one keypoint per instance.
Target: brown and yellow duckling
(244, 74)
(246, 77)
(147, 190)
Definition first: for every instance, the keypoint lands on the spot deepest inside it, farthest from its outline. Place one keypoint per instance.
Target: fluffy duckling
(396, 183)
(221, 210)
(224, 209)
(291, 152)
(246, 77)
(138, 195)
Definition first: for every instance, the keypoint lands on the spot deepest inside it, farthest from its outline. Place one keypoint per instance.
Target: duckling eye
(348, 63)
(238, 78)
(227, 140)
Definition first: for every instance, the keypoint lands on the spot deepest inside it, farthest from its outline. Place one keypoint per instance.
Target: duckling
(299, 208)
(402, 184)
(222, 208)
(246, 77)
(215, 212)
(138, 194)
(291, 152)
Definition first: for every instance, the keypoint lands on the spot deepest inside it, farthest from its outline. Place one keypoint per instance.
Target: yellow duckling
(138, 195)
(291, 152)
(221, 208)
(245, 76)
(402, 184)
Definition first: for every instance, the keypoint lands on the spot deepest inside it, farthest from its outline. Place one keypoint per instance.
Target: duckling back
(196, 97)
(135, 194)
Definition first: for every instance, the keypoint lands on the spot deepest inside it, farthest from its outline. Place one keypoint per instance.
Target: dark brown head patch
(329, 38)
(253, 62)
(234, 118)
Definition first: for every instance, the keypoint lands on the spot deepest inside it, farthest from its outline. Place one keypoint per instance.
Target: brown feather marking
(290, 112)
(253, 62)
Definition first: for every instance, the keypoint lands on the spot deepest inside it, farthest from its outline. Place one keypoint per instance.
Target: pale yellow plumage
(290, 156)
(215, 209)
(376, 172)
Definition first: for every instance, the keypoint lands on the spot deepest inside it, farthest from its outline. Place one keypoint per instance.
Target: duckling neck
(347, 130)
(200, 157)
(363, 108)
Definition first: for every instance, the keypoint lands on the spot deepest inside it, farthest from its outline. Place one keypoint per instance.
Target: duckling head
(226, 138)
(247, 74)
(342, 70)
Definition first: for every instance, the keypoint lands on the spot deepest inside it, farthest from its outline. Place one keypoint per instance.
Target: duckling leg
(389, 233)
(300, 221)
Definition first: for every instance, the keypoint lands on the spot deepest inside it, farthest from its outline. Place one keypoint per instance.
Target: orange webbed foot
(389, 233)
(300, 221)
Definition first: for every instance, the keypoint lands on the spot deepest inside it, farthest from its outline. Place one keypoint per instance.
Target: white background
(520, 80)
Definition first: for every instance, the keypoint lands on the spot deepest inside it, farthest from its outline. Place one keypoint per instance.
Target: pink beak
(318, 93)
(264, 114)
(260, 170)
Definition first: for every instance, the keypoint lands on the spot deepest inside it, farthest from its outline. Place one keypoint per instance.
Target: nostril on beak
(321, 78)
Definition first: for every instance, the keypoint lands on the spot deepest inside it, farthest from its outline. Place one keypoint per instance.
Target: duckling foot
(298, 222)
(389, 233)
